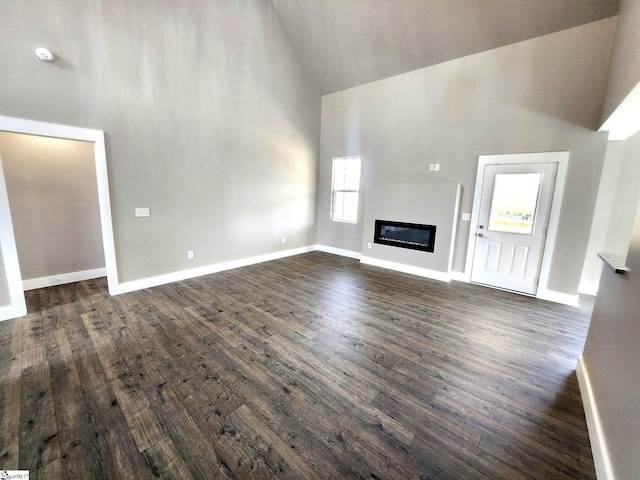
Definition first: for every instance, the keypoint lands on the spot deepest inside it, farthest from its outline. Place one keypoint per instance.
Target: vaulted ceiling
(346, 43)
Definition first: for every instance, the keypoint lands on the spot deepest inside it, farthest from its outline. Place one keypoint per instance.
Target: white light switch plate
(466, 217)
(142, 212)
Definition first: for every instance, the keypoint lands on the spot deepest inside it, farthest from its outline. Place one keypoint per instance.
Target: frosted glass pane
(514, 202)
(339, 174)
(346, 183)
(352, 175)
(346, 173)
(345, 206)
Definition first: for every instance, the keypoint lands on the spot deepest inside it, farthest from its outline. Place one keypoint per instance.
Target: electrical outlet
(284, 239)
(368, 245)
(436, 167)
(431, 167)
(466, 217)
(142, 212)
(190, 254)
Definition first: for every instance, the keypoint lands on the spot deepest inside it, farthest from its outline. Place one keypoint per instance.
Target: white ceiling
(345, 43)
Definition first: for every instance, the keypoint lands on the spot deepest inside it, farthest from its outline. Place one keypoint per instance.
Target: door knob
(480, 226)
(480, 235)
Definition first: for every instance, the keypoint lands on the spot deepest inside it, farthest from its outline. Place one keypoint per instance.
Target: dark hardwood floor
(312, 366)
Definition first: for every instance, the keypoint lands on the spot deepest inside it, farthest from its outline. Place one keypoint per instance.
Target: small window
(345, 189)
(514, 202)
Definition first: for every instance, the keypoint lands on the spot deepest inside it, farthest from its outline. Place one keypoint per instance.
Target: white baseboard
(12, 311)
(596, 434)
(460, 277)
(543, 293)
(63, 278)
(134, 285)
(558, 297)
(198, 272)
(339, 251)
(401, 267)
(588, 288)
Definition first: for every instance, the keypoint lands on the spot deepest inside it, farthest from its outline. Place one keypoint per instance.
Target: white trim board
(562, 159)
(588, 288)
(32, 127)
(338, 251)
(596, 434)
(558, 297)
(63, 278)
(459, 277)
(12, 311)
(543, 294)
(454, 231)
(205, 270)
(9, 255)
(401, 267)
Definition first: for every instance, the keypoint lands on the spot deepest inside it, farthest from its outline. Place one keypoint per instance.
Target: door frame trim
(97, 137)
(9, 256)
(562, 159)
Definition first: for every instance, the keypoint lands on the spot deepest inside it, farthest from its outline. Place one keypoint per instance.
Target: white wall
(624, 72)
(602, 216)
(51, 184)
(539, 95)
(211, 120)
(625, 201)
(614, 215)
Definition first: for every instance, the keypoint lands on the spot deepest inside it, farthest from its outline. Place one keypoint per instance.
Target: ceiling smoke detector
(44, 54)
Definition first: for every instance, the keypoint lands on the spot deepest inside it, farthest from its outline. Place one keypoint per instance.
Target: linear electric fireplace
(405, 235)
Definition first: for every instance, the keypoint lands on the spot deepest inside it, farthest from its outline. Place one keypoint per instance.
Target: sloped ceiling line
(346, 43)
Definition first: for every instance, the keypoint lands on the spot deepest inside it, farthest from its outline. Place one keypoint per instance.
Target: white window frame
(334, 190)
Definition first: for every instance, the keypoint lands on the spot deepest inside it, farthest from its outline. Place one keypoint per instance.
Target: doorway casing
(562, 159)
(43, 129)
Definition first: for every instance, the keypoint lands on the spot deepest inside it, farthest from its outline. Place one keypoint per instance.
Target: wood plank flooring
(312, 366)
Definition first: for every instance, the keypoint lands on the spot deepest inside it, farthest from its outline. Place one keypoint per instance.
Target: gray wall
(540, 95)
(624, 73)
(53, 196)
(612, 356)
(347, 43)
(411, 204)
(210, 118)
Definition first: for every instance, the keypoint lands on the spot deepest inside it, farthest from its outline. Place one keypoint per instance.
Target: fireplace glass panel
(405, 235)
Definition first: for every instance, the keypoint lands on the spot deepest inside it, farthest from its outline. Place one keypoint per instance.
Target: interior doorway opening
(53, 197)
(12, 294)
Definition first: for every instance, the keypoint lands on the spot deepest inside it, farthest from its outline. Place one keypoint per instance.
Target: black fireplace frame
(425, 247)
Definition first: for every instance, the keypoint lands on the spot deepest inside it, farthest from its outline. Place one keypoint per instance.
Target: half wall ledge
(614, 262)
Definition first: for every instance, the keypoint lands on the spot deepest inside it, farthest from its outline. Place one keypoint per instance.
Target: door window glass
(514, 202)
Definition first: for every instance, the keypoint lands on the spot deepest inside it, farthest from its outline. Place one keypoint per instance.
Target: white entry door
(512, 225)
